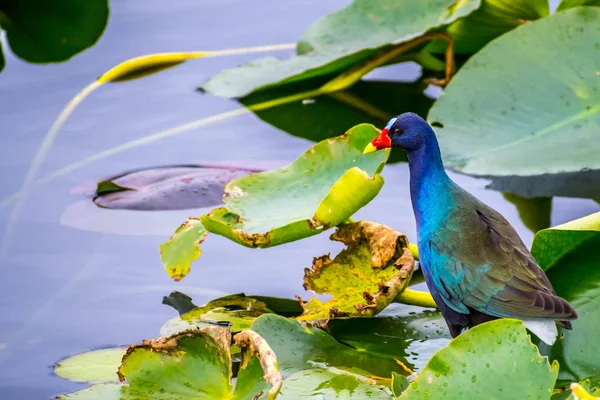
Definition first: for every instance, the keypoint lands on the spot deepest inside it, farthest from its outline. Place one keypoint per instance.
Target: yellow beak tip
(369, 149)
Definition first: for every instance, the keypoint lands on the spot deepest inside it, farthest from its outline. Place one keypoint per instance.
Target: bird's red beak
(382, 141)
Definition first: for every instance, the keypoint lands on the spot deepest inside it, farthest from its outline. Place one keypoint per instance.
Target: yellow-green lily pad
(364, 278)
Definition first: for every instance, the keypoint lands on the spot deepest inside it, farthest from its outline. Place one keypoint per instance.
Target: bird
(475, 265)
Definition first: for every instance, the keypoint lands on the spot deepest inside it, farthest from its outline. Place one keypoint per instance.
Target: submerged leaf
(569, 255)
(547, 71)
(166, 188)
(364, 278)
(478, 364)
(326, 185)
(182, 248)
(343, 40)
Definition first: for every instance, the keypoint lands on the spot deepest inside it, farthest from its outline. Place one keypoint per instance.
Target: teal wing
(484, 265)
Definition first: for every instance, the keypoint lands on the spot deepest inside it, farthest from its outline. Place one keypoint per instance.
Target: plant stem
(416, 298)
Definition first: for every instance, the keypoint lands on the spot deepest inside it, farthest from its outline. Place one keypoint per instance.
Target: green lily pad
(300, 346)
(236, 310)
(549, 101)
(479, 363)
(195, 364)
(182, 248)
(569, 254)
(411, 339)
(342, 40)
(325, 116)
(52, 31)
(328, 385)
(491, 20)
(166, 188)
(93, 366)
(364, 278)
(321, 189)
(566, 4)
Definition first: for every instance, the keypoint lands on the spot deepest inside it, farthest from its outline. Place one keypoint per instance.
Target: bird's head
(407, 131)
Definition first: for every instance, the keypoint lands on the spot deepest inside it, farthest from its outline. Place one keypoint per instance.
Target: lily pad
(182, 248)
(325, 116)
(582, 184)
(166, 188)
(93, 367)
(412, 339)
(328, 385)
(321, 189)
(569, 254)
(236, 311)
(40, 31)
(194, 363)
(566, 4)
(342, 40)
(364, 278)
(546, 74)
(491, 20)
(300, 346)
(479, 363)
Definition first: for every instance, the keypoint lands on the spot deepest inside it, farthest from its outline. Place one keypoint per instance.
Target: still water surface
(74, 286)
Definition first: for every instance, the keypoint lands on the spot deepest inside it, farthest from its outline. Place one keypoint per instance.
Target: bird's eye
(398, 131)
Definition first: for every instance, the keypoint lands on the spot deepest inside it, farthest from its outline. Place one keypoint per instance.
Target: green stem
(429, 61)
(414, 250)
(416, 278)
(416, 298)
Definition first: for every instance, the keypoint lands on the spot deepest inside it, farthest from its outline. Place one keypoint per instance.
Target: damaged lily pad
(364, 278)
(478, 364)
(321, 189)
(342, 40)
(194, 363)
(182, 248)
(236, 310)
(166, 188)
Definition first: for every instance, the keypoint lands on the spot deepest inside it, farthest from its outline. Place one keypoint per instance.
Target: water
(66, 290)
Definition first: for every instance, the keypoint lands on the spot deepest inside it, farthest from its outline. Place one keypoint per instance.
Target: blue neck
(428, 180)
